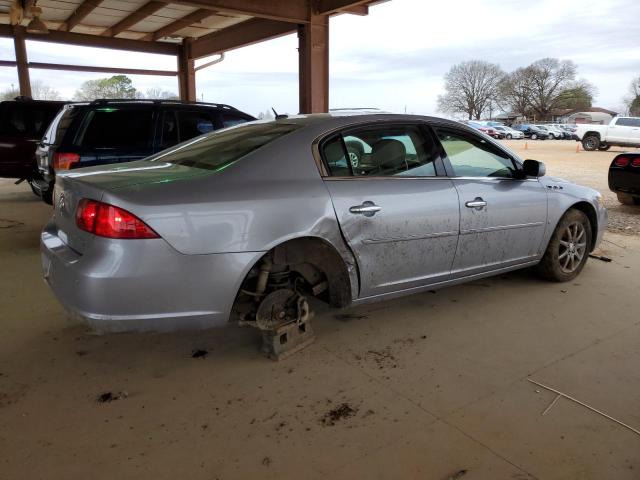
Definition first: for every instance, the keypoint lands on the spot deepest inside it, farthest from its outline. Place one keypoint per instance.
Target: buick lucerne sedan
(250, 222)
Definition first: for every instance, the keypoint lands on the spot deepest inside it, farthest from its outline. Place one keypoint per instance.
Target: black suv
(22, 123)
(113, 131)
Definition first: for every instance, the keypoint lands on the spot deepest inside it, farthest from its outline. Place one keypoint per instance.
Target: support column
(22, 61)
(186, 72)
(313, 54)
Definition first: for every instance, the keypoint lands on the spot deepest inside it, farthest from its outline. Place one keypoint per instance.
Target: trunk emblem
(61, 202)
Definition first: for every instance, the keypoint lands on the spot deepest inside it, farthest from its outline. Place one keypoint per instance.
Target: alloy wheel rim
(353, 158)
(591, 143)
(573, 247)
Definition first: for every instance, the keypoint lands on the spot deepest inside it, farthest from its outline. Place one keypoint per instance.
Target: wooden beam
(79, 14)
(186, 72)
(88, 68)
(240, 35)
(130, 20)
(8, 63)
(70, 38)
(313, 68)
(21, 61)
(292, 11)
(330, 7)
(186, 21)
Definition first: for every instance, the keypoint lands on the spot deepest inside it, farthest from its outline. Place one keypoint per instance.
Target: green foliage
(117, 86)
(575, 98)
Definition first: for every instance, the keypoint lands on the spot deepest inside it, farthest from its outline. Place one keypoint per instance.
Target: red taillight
(621, 161)
(635, 162)
(64, 161)
(109, 221)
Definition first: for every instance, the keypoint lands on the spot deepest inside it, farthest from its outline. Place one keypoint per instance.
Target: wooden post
(186, 72)
(22, 62)
(313, 55)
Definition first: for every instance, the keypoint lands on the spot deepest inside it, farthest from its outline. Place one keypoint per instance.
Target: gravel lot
(586, 168)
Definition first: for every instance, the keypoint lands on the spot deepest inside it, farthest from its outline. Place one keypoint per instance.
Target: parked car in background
(22, 124)
(553, 132)
(621, 131)
(564, 129)
(115, 131)
(532, 131)
(482, 127)
(509, 132)
(624, 178)
(249, 222)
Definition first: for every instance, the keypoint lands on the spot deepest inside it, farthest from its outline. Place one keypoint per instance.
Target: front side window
(380, 151)
(118, 128)
(222, 148)
(474, 157)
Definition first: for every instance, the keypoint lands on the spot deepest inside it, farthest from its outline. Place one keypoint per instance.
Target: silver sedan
(253, 221)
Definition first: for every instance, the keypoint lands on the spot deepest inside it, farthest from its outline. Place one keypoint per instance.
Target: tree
(577, 96)
(10, 93)
(159, 93)
(470, 87)
(633, 99)
(41, 91)
(266, 115)
(118, 86)
(515, 92)
(549, 77)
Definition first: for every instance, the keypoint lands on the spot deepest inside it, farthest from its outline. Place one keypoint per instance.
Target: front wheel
(533, 136)
(604, 148)
(590, 143)
(568, 248)
(509, 136)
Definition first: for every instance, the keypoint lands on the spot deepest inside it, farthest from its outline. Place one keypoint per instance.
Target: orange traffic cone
(577, 148)
(526, 146)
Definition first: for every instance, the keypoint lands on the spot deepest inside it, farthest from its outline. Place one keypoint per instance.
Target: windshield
(218, 150)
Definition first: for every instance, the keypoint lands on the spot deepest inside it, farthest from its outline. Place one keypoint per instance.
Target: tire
(35, 191)
(628, 199)
(604, 148)
(590, 143)
(568, 248)
(509, 136)
(552, 136)
(533, 136)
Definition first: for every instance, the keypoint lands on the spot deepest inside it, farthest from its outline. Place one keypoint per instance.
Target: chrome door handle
(368, 209)
(477, 203)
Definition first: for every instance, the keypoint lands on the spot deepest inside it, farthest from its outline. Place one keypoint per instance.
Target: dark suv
(532, 132)
(113, 131)
(22, 123)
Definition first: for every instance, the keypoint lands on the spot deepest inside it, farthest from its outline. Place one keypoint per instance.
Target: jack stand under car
(284, 318)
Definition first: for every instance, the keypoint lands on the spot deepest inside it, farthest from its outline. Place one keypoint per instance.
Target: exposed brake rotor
(281, 307)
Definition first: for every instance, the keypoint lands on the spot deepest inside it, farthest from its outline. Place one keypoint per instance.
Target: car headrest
(389, 154)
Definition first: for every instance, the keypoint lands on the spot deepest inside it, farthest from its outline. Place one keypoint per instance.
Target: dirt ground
(585, 168)
(431, 386)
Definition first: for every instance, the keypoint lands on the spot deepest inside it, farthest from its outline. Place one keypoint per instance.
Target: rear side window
(194, 123)
(220, 149)
(59, 125)
(628, 122)
(474, 157)
(117, 128)
(381, 151)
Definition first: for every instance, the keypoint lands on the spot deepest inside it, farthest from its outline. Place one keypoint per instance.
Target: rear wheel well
(591, 214)
(309, 258)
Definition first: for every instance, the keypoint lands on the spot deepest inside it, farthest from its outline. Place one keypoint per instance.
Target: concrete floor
(437, 383)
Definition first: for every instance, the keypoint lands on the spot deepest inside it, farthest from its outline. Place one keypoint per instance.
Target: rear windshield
(217, 150)
(24, 119)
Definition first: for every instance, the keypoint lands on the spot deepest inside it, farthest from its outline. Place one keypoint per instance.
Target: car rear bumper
(142, 285)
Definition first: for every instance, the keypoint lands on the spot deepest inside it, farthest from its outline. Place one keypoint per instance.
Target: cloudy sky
(395, 58)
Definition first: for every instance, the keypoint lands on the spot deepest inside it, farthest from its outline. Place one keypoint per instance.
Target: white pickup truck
(621, 131)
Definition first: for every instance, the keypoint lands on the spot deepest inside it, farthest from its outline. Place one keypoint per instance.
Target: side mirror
(533, 168)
